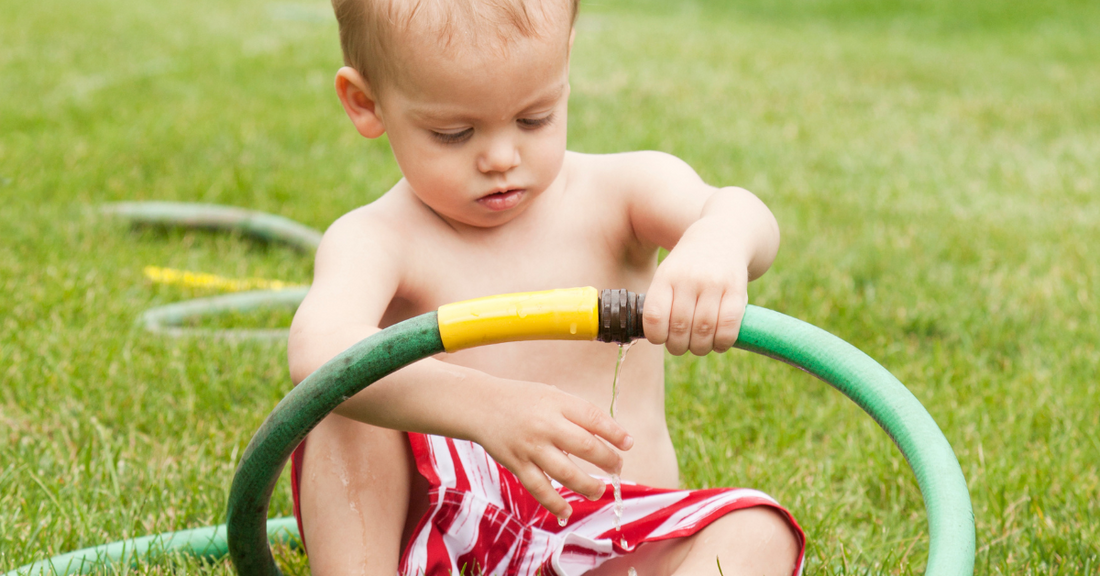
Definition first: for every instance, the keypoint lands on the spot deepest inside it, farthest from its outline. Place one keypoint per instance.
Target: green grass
(933, 166)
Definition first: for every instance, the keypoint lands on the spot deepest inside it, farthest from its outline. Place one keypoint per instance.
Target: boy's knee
(770, 541)
(770, 521)
(770, 525)
(756, 540)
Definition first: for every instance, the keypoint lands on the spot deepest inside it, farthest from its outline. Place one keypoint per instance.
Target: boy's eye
(532, 123)
(453, 137)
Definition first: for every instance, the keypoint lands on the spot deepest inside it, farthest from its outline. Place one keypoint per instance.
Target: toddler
(497, 459)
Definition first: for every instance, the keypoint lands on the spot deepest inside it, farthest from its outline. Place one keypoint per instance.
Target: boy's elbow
(763, 228)
(298, 372)
(301, 356)
(295, 360)
(768, 247)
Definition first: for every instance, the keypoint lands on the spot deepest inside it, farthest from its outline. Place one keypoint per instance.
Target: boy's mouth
(502, 200)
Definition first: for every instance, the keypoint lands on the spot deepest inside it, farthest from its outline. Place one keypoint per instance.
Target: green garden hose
(170, 318)
(208, 543)
(872, 387)
(248, 531)
(261, 225)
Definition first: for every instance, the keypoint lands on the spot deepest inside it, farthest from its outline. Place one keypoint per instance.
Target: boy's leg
(753, 541)
(356, 482)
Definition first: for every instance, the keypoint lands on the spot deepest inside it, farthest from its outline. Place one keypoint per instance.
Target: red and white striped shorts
(481, 520)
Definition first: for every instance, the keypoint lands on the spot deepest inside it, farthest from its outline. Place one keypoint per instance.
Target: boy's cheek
(549, 156)
(426, 170)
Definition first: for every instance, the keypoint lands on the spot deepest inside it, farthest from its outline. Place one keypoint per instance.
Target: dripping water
(623, 349)
(616, 482)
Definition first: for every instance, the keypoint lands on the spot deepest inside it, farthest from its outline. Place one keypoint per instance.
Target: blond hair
(369, 29)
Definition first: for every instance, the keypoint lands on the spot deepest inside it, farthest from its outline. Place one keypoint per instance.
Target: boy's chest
(444, 272)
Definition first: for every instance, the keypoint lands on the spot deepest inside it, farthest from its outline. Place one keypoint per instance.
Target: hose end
(620, 316)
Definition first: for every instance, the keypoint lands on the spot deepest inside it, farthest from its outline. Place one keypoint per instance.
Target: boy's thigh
(754, 541)
(356, 482)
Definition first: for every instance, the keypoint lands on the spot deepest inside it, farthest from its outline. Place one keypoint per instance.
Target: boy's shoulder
(376, 236)
(632, 170)
(395, 214)
(648, 184)
(658, 194)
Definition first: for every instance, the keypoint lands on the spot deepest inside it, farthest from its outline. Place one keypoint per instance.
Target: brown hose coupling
(620, 316)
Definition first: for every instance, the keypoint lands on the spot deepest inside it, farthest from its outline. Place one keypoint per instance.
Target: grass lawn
(934, 166)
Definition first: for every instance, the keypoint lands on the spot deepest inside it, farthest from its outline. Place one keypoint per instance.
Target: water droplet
(573, 328)
(522, 313)
(631, 572)
(562, 522)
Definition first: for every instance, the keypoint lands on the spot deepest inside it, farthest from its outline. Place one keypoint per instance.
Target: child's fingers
(599, 423)
(705, 322)
(591, 449)
(680, 321)
(534, 480)
(564, 470)
(658, 303)
(730, 314)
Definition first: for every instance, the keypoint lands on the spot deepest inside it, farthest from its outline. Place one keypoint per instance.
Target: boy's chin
(485, 218)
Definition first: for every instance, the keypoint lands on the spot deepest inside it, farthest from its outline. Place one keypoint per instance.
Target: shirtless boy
(473, 96)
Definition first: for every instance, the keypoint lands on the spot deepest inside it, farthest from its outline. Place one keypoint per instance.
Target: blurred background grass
(933, 166)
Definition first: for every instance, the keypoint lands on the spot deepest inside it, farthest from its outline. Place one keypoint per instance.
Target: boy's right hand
(531, 429)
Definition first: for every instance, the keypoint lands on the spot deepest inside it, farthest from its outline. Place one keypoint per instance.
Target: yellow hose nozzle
(569, 314)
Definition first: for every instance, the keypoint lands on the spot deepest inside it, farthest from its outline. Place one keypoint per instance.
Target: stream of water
(616, 482)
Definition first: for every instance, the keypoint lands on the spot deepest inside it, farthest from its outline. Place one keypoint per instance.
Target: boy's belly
(586, 369)
(651, 462)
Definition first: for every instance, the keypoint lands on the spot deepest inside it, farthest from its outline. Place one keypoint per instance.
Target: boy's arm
(526, 426)
(719, 239)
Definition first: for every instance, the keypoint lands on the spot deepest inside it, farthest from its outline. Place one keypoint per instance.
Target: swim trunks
(481, 520)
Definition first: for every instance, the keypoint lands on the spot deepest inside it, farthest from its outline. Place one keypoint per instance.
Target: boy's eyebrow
(546, 99)
(431, 114)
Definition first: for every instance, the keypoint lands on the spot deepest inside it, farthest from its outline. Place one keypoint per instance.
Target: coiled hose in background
(170, 319)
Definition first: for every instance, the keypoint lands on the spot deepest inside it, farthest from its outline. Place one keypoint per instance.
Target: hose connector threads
(620, 316)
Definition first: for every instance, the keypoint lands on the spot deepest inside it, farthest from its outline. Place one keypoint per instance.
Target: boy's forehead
(527, 70)
(483, 16)
(460, 28)
(486, 85)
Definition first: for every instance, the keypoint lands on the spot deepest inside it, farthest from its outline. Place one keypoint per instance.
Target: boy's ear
(359, 102)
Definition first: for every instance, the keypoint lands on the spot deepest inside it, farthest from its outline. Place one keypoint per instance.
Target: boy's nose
(501, 156)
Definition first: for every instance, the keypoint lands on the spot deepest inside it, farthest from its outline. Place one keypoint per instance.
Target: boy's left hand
(699, 292)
